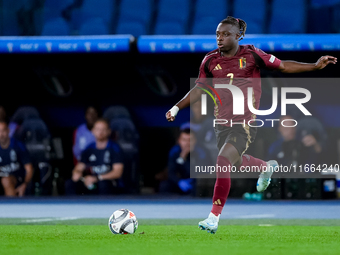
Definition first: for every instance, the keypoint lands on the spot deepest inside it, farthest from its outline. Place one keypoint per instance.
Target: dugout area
(148, 85)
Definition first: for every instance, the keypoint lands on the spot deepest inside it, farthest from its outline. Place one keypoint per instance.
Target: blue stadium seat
(322, 3)
(135, 11)
(288, 16)
(53, 9)
(94, 26)
(217, 9)
(134, 28)
(205, 26)
(336, 18)
(9, 16)
(245, 9)
(103, 9)
(92, 9)
(24, 113)
(319, 18)
(169, 28)
(117, 111)
(174, 11)
(57, 26)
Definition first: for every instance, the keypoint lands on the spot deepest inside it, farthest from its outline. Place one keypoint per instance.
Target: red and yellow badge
(242, 63)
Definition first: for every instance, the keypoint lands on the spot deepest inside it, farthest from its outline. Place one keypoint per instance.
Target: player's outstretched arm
(298, 67)
(191, 97)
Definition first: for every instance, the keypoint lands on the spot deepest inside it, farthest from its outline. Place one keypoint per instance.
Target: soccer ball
(123, 222)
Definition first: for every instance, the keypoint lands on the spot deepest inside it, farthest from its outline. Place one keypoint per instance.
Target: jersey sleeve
(23, 153)
(266, 60)
(84, 156)
(204, 74)
(117, 156)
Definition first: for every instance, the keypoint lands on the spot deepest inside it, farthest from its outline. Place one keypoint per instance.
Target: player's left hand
(89, 180)
(324, 61)
(20, 190)
(309, 140)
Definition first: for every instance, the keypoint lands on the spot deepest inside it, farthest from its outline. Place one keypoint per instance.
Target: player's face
(192, 141)
(101, 131)
(227, 37)
(91, 116)
(184, 141)
(4, 133)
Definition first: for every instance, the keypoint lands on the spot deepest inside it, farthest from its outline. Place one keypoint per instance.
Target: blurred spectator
(299, 145)
(22, 114)
(202, 125)
(83, 135)
(37, 139)
(100, 167)
(3, 115)
(16, 170)
(187, 152)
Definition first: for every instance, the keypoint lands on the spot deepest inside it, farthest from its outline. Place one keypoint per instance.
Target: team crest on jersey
(107, 157)
(13, 155)
(242, 63)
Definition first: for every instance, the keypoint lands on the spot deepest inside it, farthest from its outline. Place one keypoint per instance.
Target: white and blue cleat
(265, 177)
(210, 224)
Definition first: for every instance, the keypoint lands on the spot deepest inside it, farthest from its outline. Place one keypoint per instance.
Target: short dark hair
(103, 120)
(239, 23)
(185, 131)
(95, 107)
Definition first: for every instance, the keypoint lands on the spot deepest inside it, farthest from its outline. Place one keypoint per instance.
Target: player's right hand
(169, 117)
(171, 114)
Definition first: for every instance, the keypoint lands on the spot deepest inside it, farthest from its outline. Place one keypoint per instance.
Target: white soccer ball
(123, 222)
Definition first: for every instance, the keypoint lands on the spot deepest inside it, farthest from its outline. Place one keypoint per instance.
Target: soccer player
(83, 135)
(16, 170)
(233, 61)
(100, 167)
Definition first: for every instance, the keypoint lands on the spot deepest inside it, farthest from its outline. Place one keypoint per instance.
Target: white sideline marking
(51, 219)
(252, 216)
(266, 225)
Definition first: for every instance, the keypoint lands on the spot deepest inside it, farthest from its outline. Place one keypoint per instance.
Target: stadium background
(126, 75)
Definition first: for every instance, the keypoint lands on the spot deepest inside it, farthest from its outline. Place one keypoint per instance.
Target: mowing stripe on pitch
(50, 219)
(252, 216)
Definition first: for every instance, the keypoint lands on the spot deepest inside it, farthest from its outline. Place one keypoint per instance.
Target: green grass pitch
(92, 236)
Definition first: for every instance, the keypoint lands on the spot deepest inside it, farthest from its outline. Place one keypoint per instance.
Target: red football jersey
(242, 71)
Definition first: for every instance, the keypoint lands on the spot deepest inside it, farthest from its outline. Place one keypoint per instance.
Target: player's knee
(230, 152)
(8, 182)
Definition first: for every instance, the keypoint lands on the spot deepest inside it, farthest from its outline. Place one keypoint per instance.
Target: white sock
(213, 215)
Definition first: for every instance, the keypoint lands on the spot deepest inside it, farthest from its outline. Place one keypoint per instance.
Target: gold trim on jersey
(254, 105)
(246, 129)
(216, 108)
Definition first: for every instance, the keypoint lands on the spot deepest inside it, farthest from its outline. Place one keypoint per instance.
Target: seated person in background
(3, 115)
(16, 170)
(299, 145)
(181, 156)
(202, 126)
(83, 135)
(100, 166)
